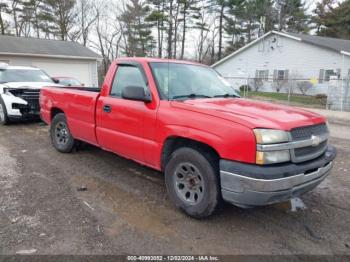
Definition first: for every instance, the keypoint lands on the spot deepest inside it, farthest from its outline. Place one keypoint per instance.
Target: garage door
(80, 71)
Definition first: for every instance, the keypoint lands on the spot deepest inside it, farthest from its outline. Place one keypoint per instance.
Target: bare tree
(304, 86)
(108, 30)
(86, 17)
(3, 25)
(203, 26)
(14, 9)
(177, 21)
(170, 28)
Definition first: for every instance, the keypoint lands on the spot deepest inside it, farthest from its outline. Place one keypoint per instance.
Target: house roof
(26, 46)
(326, 42)
(339, 45)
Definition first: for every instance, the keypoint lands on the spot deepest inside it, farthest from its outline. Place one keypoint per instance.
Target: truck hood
(251, 113)
(29, 85)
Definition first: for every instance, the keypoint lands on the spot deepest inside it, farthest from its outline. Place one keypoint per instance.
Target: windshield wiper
(191, 96)
(227, 95)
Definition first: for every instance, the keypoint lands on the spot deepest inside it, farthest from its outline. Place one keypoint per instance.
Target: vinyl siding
(302, 60)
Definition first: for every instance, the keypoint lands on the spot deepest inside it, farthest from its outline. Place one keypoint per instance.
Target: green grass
(295, 99)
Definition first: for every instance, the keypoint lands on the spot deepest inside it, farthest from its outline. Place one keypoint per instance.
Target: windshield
(69, 82)
(23, 75)
(185, 81)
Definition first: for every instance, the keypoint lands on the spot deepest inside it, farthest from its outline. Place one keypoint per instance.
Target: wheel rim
(61, 133)
(189, 184)
(2, 113)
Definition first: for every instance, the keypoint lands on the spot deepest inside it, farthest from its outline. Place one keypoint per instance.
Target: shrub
(304, 86)
(321, 96)
(243, 88)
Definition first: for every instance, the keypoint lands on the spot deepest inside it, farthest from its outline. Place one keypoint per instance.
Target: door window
(127, 76)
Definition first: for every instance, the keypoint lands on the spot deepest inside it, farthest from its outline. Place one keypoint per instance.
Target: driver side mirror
(136, 93)
(55, 80)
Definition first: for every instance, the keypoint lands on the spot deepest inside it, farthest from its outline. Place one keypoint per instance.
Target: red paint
(138, 130)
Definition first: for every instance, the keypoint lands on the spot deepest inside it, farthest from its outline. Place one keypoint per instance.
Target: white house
(57, 58)
(288, 59)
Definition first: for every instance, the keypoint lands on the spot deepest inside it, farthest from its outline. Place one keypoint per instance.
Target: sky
(193, 37)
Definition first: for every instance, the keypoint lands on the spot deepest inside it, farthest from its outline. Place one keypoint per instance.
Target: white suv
(19, 92)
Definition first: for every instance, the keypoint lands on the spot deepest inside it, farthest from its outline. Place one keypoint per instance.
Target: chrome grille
(303, 151)
(26, 94)
(305, 133)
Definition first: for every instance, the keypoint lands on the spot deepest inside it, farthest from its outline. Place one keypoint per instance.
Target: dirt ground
(125, 209)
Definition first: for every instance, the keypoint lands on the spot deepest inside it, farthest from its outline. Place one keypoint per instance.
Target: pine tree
(57, 17)
(292, 16)
(137, 29)
(189, 12)
(158, 17)
(335, 21)
(319, 14)
(220, 7)
(31, 14)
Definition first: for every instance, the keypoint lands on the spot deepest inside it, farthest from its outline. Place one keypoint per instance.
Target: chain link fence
(332, 93)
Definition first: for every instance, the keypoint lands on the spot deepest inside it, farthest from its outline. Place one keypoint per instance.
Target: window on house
(325, 74)
(262, 74)
(280, 74)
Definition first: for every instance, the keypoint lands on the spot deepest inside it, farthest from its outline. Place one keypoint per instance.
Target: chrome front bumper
(245, 191)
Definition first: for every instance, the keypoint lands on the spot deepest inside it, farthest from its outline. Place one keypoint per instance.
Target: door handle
(107, 108)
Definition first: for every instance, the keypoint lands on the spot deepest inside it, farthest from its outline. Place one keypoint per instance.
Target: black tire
(4, 120)
(208, 198)
(61, 137)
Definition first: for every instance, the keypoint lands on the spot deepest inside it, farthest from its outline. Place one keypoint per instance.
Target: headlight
(272, 157)
(7, 91)
(270, 136)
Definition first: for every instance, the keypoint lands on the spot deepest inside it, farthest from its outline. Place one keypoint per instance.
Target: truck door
(120, 122)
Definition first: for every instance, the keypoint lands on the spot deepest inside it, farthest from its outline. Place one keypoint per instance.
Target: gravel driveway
(125, 209)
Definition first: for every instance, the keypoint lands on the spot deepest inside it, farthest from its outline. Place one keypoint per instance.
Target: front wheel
(61, 137)
(192, 182)
(3, 113)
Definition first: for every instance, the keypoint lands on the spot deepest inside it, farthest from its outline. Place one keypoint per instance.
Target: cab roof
(156, 60)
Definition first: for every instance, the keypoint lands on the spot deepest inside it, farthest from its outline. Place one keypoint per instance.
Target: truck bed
(78, 104)
(83, 88)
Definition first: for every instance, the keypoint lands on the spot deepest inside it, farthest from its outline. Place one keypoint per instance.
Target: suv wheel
(3, 113)
(61, 137)
(192, 182)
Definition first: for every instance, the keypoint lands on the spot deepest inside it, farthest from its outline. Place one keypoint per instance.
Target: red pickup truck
(185, 120)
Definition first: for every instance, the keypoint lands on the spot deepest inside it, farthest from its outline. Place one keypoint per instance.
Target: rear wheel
(3, 113)
(192, 182)
(61, 137)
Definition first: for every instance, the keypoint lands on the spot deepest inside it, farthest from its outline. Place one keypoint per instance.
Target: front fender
(205, 137)
(229, 140)
(11, 99)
